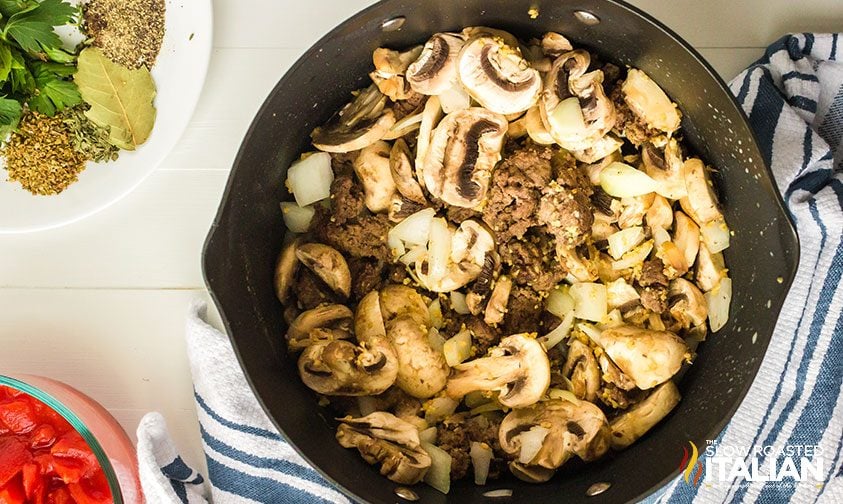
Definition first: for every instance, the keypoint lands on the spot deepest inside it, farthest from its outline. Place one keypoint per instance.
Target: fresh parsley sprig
(34, 68)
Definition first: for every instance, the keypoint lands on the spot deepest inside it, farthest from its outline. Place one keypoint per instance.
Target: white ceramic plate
(179, 75)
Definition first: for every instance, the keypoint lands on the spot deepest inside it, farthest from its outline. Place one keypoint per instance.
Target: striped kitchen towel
(794, 97)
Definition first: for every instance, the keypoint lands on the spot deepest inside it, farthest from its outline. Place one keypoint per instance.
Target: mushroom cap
(582, 368)
(403, 172)
(664, 165)
(555, 44)
(397, 300)
(344, 369)
(362, 122)
(464, 149)
(687, 303)
(648, 357)
(422, 370)
(518, 368)
(630, 425)
(386, 439)
(368, 320)
(285, 270)
(649, 102)
(577, 429)
(701, 197)
(435, 70)
(495, 74)
(373, 169)
(334, 317)
(328, 264)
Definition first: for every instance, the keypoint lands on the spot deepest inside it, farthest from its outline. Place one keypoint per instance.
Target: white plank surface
(100, 304)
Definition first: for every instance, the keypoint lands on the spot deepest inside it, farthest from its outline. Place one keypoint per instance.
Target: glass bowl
(113, 448)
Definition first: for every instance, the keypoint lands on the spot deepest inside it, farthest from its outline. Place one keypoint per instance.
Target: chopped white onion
(560, 302)
(612, 319)
(481, 457)
(590, 301)
(494, 494)
(716, 235)
(396, 246)
(454, 99)
(458, 303)
(415, 229)
(458, 348)
(434, 309)
(718, 300)
(439, 249)
(660, 236)
(531, 443)
(310, 179)
(634, 257)
(428, 435)
(439, 474)
(619, 293)
(560, 332)
(297, 218)
(419, 252)
(435, 339)
(404, 126)
(623, 181)
(438, 408)
(567, 395)
(476, 398)
(592, 332)
(566, 119)
(625, 240)
(486, 408)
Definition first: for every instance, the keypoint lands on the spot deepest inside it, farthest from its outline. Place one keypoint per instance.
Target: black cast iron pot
(248, 231)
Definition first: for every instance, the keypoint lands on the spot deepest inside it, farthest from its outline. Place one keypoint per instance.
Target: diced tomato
(60, 496)
(91, 490)
(18, 416)
(42, 437)
(13, 455)
(33, 480)
(12, 492)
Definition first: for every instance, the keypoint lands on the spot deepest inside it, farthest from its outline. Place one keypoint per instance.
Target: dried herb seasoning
(129, 32)
(88, 138)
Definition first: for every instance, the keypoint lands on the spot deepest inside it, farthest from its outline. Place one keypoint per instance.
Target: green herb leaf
(9, 8)
(33, 29)
(120, 99)
(59, 55)
(22, 81)
(5, 61)
(52, 93)
(10, 112)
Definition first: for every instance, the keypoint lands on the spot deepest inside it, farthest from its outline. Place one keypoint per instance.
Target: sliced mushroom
(648, 357)
(660, 213)
(368, 318)
(328, 264)
(582, 369)
(701, 196)
(518, 368)
(536, 128)
(383, 438)
(613, 375)
(401, 166)
(342, 368)
(686, 236)
(600, 149)
(687, 303)
(464, 150)
(390, 67)
(711, 268)
(422, 370)
(323, 323)
(629, 426)
(649, 102)
(397, 300)
(372, 167)
(555, 44)
(496, 307)
(431, 115)
(285, 270)
(435, 70)
(362, 122)
(664, 165)
(581, 268)
(495, 74)
(577, 429)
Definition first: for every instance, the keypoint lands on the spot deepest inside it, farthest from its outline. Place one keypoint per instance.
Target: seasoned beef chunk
(310, 291)
(366, 276)
(458, 214)
(531, 262)
(346, 199)
(483, 335)
(652, 273)
(515, 191)
(567, 214)
(654, 298)
(568, 174)
(455, 434)
(361, 237)
(524, 310)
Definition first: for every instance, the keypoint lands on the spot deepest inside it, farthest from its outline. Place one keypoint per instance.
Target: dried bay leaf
(120, 99)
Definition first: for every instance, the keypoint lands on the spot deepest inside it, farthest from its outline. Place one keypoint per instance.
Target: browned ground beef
(483, 335)
(515, 191)
(346, 199)
(628, 124)
(524, 311)
(458, 214)
(567, 213)
(532, 261)
(568, 174)
(310, 291)
(366, 276)
(362, 237)
(654, 298)
(455, 434)
(652, 273)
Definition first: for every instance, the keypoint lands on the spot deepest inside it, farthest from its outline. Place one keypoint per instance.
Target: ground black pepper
(129, 32)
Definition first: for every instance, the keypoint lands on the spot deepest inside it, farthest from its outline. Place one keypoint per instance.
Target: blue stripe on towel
(258, 488)
(246, 429)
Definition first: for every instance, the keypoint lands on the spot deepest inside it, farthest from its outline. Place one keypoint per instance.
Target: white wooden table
(100, 304)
